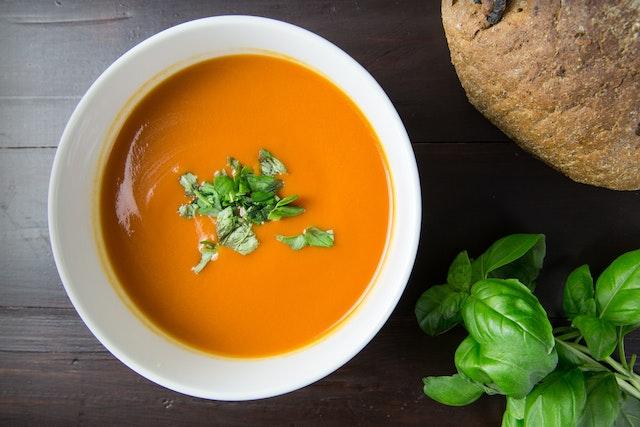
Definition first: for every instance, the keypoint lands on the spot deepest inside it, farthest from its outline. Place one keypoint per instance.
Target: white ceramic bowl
(71, 220)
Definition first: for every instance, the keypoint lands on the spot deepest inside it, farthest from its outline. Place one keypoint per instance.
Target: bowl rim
(55, 238)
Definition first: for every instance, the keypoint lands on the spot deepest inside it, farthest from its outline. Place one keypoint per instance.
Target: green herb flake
(208, 253)
(269, 164)
(311, 236)
(189, 182)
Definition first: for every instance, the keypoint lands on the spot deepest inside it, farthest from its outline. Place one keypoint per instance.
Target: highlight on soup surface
(245, 206)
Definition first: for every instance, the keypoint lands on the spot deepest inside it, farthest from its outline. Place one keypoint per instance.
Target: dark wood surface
(476, 187)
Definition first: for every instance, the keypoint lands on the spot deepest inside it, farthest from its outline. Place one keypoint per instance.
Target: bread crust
(559, 77)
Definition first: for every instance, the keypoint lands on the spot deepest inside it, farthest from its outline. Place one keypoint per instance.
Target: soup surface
(275, 299)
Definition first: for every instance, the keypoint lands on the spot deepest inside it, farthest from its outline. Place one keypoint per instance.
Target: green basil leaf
(526, 268)
(235, 233)
(235, 166)
(263, 183)
(317, 237)
(188, 210)
(295, 242)
(514, 413)
(600, 335)
(262, 196)
(208, 252)
(629, 415)
(224, 186)
(258, 214)
(189, 182)
(312, 236)
(516, 344)
(287, 200)
(459, 275)
(569, 357)
(604, 401)
(454, 390)
(269, 164)
(578, 293)
(557, 401)
(438, 309)
(280, 212)
(509, 420)
(470, 361)
(516, 407)
(225, 223)
(503, 252)
(618, 290)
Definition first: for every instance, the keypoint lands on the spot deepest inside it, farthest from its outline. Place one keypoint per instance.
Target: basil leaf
(235, 233)
(270, 165)
(317, 237)
(578, 293)
(603, 403)
(469, 361)
(569, 357)
(516, 407)
(454, 390)
(629, 415)
(242, 239)
(438, 309)
(262, 196)
(208, 252)
(514, 414)
(295, 242)
(507, 250)
(618, 290)
(526, 268)
(509, 420)
(235, 166)
(263, 183)
(224, 186)
(284, 212)
(189, 183)
(599, 334)
(311, 236)
(225, 223)
(459, 275)
(188, 210)
(521, 351)
(259, 214)
(557, 401)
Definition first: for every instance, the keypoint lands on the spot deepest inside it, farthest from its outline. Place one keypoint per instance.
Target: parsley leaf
(311, 236)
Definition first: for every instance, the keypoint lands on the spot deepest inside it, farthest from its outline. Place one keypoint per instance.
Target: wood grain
(53, 51)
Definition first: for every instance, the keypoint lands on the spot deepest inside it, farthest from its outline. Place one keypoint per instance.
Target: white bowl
(73, 187)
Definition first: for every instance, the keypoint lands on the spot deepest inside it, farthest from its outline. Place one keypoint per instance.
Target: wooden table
(476, 187)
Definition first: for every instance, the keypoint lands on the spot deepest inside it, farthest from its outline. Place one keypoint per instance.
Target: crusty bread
(560, 77)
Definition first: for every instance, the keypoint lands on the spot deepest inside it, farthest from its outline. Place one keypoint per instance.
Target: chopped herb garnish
(208, 252)
(269, 164)
(311, 236)
(239, 200)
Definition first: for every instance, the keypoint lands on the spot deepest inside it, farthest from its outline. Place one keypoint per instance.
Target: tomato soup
(275, 299)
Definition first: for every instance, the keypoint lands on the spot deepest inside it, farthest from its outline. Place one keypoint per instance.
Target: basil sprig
(550, 377)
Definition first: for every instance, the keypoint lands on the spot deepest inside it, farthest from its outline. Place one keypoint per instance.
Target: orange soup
(274, 299)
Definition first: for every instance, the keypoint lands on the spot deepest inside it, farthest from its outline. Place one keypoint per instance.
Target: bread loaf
(560, 77)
